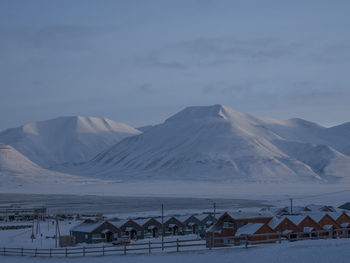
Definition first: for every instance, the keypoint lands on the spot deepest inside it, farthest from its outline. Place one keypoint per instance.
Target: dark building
(94, 232)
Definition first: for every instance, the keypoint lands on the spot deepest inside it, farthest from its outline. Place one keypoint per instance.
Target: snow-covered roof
(327, 227)
(120, 222)
(317, 216)
(249, 229)
(275, 210)
(214, 228)
(274, 222)
(87, 226)
(316, 208)
(249, 214)
(296, 219)
(202, 216)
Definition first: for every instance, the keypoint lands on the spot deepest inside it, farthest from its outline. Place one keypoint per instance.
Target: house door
(109, 236)
(133, 234)
(155, 232)
(175, 230)
(194, 229)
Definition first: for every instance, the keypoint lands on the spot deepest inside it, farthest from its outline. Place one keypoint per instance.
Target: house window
(228, 224)
(86, 236)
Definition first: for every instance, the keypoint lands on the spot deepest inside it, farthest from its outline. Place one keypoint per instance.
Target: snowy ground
(334, 194)
(320, 251)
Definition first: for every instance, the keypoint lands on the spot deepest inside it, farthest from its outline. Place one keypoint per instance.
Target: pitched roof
(87, 227)
(249, 229)
(345, 206)
(296, 219)
(249, 214)
(324, 208)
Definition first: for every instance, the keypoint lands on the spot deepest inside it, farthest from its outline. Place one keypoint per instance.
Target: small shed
(207, 220)
(193, 225)
(95, 231)
(173, 226)
(130, 229)
(151, 227)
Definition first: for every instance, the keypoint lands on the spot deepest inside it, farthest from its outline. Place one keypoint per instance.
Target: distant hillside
(65, 139)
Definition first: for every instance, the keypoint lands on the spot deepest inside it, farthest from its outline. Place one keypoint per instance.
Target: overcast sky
(139, 62)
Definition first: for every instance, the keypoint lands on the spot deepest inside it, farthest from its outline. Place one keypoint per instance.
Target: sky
(139, 62)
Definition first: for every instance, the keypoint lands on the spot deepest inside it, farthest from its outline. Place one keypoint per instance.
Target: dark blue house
(95, 231)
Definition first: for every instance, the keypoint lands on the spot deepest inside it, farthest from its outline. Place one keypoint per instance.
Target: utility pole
(32, 236)
(291, 206)
(38, 225)
(162, 227)
(58, 234)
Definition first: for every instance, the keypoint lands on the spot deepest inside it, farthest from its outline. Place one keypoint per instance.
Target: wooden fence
(176, 245)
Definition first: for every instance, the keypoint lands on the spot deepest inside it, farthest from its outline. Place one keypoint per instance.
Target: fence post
(103, 250)
(124, 249)
(66, 252)
(4, 251)
(36, 250)
(149, 247)
(50, 252)
(22, 251)
(279, 238)
(246, 241)
(177, 245)
(83, 251)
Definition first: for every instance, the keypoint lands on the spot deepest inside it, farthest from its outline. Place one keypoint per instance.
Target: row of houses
(230, 224)
(21, 213)
(231, 228)
(91, 231)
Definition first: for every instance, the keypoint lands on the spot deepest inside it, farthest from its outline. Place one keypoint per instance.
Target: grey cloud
(214, 52)
(53, 37)
(145, 88)
(223, 88)
(155, 60)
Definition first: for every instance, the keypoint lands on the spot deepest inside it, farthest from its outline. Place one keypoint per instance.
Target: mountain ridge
(65, 139)
(218, 143)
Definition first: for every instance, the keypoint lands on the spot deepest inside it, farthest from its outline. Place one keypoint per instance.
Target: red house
(222, 233)
(285, 226)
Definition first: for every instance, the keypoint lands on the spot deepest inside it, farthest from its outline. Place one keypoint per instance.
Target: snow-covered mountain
(65, 139)
(16, 169)
(218, 143)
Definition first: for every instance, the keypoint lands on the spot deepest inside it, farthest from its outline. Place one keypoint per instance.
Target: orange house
(285, 226)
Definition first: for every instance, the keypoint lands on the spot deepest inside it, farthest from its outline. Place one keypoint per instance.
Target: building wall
(133, 225)
(309, 222)
(173, 220)
(343, 218)
(327, 220)
(152, 222)
(193, 220)
(286, 224)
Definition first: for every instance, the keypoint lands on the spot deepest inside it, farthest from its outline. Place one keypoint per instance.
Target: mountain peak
(216, 111)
